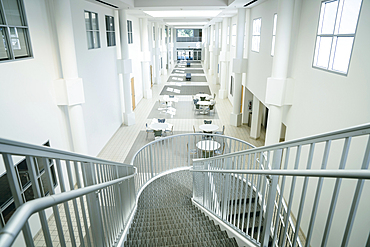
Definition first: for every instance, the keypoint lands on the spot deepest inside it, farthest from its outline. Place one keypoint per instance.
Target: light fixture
(184, 13)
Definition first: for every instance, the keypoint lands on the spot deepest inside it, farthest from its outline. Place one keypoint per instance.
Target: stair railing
(77, 195)
(178, 151)
(310, 196)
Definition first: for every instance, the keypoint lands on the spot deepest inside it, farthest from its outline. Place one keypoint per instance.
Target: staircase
(166, 217)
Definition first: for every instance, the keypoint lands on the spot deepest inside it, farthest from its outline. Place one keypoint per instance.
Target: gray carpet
(186, 90)
(193, 79)
(184, 110)
(192, 71)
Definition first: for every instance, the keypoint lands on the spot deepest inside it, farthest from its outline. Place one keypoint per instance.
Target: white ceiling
(226, 8)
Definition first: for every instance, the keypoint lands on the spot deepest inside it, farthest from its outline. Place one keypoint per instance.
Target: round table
(208, 145)
(203, 95)
(202, 104)
(208, 127)
(159, 126)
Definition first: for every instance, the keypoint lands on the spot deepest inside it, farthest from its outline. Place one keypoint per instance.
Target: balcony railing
(307, 192)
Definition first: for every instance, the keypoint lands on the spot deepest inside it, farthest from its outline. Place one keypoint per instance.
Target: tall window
(273, 36)
(14, 31)
(109, 26)
(256, 36)
(92, 30)
(233, 37)
(129, 32)
(335, 34)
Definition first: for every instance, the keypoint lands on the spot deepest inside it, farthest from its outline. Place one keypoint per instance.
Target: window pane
(275, 21)
(349, 18)
(109, 23)
(96, 39)
(90, 43)
(87, 21)
(12, 12)
(18, 41)
(342, 54)
(322, 52)
(273, 46)
(4, 51)
(256, 43)
(94, 21)
(327, 17)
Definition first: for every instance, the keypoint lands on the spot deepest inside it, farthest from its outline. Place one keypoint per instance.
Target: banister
(22, 214)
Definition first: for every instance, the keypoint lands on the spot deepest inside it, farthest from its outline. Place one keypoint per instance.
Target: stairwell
(166, 217)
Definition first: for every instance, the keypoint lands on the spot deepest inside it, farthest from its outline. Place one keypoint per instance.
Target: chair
(171, 96)
(207, 121)
(196, 131)
(161, 120)
(197, 108)
(169, 130)
(147, 130)
(221, 132)
(221, 150)
(202, 98)
(162, 103)
(157, 134)
(214, 96)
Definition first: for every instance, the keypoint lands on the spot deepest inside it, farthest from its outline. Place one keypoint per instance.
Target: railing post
(271, 199)
(151, 160)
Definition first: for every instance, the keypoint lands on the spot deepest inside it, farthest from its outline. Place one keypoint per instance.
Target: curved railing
(178, 151)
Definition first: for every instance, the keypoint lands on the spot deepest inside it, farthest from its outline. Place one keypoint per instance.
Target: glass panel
(94, 21)
(5, 193)
(18, 41)
(109, 21)
(350, 14)
(28, 194)
(96, 39)
(342, 54)
(273, 46)
(322, 52)
(90, 39)
(275, 22)
(327, 17)
(256, 43)
(256, 26)
(87, 21)
(4, 51)
(8, 212)
(12, 13)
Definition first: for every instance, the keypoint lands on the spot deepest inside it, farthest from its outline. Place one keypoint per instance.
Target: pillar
(211, 50)
(163, 51)
(276, 84)
(239, 67)
(224, 60)
(157, 52)
(126, 69)
(145, 66)
(216, 52)
(71, 93)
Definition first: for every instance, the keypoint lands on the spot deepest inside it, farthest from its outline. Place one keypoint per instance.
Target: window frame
(256, 35)
(8, 37)
(90, 32)
(273, 40)
(130, 37)
(109, 32)
(334, 37)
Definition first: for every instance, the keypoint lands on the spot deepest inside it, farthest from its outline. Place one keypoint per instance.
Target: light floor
(120, 144)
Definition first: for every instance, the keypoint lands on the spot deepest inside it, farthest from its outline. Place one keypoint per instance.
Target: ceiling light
(184, 13)
(187, 23)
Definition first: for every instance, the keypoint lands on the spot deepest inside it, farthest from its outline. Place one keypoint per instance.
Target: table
(208, 97)
(208, 147)
(208, 127)
(202, 104)
(158, 126)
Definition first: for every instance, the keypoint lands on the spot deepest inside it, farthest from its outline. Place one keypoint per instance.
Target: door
(151, 76)
(133, 93)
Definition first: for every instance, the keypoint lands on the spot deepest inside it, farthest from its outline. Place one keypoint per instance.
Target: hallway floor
(119, 146)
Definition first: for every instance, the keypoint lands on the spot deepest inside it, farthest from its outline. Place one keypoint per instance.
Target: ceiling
(180, 13)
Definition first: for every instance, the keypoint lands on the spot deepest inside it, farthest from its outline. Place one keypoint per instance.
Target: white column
(256, 118)
(157, 53)
(74, 92)
(205, 50)
(224, 60)
(145, 66)
(211, 51)
(163, 50)
(276, 84)
(239, 66)
(126, 69)
(216, 51)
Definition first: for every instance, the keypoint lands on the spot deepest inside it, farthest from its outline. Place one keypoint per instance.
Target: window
(273, 36)
(335, 34)
(129, 32)
(169, 35)
(7, 205)
(109, 26)
(256, 36)
(92, 30)
(185, 33)
(189, 35)
(14, 31)
(233, 37)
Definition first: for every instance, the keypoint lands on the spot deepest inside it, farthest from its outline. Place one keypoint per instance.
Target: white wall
(188, 44)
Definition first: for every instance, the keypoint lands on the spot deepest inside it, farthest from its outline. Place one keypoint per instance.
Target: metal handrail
(353, 174)
(24, 212)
